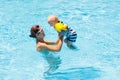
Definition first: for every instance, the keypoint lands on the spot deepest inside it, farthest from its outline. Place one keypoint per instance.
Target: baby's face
(52, 20)
(51, 23)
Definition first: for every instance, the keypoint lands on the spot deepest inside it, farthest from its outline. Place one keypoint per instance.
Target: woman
(44, 47)
(41, 44)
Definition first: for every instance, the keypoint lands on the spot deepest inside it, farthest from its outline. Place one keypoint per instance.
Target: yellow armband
(59, 27)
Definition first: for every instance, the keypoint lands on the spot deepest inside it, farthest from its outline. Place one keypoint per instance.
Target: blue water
(97, 23)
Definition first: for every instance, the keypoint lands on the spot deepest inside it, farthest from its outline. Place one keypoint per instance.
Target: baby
(63, 29)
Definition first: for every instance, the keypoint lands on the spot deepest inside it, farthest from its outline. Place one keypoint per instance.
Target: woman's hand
(60, 35)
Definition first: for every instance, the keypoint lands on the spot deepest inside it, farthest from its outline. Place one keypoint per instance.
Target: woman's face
(40, 34)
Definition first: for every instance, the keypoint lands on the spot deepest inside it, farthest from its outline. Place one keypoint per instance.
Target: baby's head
(52, 20)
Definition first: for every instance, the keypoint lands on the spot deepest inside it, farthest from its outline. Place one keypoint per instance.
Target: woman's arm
(53, 42)
(50, 42)
(56, 47)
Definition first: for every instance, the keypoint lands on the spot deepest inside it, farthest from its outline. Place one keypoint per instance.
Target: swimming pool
(97, 24)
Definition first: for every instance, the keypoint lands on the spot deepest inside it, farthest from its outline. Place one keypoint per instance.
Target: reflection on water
(87, 73)
(53, 59)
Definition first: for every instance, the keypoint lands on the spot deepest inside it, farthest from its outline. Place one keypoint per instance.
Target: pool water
(97, 57)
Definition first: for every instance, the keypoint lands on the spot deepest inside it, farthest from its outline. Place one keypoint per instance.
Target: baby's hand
(62, 32)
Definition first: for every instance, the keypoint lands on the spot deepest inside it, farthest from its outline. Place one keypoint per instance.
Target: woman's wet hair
(34, 30)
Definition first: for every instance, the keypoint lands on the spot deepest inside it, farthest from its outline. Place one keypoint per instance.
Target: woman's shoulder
(40, 46)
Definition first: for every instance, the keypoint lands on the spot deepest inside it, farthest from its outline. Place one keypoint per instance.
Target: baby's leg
(65, 40)
(69, 44)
